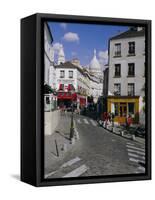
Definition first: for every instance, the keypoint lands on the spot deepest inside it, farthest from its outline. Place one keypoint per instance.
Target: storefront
(122, 107)
(81, 100)
(66, 98)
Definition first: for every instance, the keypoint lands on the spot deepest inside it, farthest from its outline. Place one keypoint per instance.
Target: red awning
(61, 86)
(70, 87)
(67, 95)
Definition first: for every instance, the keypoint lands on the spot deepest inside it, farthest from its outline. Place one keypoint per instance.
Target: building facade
(71, 80)
(71, 75)
(127, 75)
(50, 99)
(49, 71)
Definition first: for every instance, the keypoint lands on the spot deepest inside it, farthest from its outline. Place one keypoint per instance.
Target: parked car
(140, 131)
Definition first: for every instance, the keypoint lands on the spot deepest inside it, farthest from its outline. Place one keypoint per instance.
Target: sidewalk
(57, 144)
(121, 131)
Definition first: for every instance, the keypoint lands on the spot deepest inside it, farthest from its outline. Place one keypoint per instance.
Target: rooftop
(130, 33)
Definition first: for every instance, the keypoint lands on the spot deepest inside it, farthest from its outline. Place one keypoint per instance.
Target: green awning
(48, 89)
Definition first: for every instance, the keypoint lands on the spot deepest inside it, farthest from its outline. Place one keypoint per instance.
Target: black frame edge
(28, 100)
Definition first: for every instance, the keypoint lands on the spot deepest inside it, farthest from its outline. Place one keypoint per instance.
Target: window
(131, 48)
(70, 74)
(123, 109)
(117, 89)
(131, 108)
(62, 74)
(118, 49)
(131, 69)
(117, 70)
(116, 111)
(131, 89)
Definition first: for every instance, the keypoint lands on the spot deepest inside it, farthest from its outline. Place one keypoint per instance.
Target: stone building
(127, 75)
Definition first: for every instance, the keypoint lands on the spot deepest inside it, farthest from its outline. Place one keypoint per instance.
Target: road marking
(141, 168)
(132, 147)
(85, 121)
(71, 162)
(50, 174)
(93, 122)
(78, 121)
(136, 156)
(135, 151)
(130, 143)
(136, 160)
(77, 172)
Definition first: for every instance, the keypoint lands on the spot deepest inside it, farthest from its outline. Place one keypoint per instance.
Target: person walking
(129, 121)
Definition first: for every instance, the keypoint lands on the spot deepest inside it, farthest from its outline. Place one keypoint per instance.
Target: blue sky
(80, 40)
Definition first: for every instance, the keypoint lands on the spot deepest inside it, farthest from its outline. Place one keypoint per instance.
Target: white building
(127, 75)
(69, 78)
(49, 69)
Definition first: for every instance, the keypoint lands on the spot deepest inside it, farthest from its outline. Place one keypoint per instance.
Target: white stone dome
(61, 51)
(61, 55)
(94, 65)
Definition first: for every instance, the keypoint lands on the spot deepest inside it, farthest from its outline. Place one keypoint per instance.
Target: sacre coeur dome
(94, 65)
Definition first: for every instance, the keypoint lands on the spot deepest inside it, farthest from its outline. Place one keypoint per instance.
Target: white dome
(61, 55)
(61, 52)
(94, 64)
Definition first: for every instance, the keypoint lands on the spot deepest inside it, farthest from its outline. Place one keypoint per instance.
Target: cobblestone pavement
(98, 152)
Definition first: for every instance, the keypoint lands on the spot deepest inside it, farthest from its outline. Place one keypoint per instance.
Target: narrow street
(99, 152)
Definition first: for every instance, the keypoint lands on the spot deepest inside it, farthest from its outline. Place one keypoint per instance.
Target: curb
(122, 134)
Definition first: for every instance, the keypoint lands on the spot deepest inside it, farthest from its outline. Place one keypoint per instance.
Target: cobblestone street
(97, 152)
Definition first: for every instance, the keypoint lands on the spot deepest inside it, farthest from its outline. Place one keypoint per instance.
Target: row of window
(62, 74)
(131, 89)
(131, 49)
(131, 69)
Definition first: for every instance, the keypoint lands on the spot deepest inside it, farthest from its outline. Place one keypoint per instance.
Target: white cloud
(71, 37)
(63, 25)
(103, 58)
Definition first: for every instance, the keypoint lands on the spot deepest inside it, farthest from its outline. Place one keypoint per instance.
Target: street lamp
(72, 121)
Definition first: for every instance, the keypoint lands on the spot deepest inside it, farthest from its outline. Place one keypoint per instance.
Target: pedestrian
(110, 117)
(105, 119)
(128, 121)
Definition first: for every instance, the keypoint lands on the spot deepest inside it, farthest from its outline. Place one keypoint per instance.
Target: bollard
(113, 129)
(76, 135)
(64, 147)
(56, 148)
(122, 133)
(133, 137)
